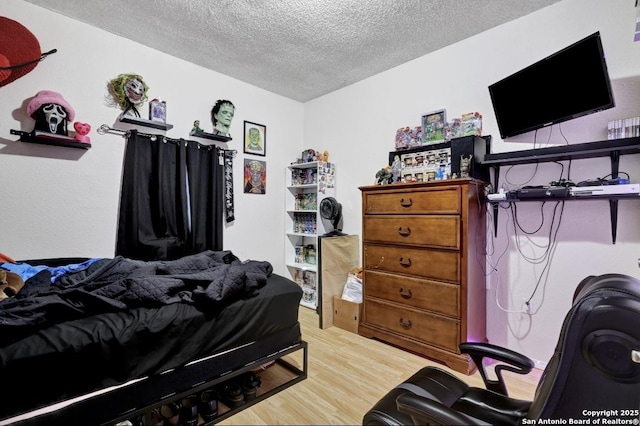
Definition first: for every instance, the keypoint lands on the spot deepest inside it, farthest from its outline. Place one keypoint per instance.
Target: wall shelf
(609, 148)
(212, 136)
(145, 123)
(54, 140)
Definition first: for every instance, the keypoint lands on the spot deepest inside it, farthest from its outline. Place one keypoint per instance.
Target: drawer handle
(404, 233)
(404, 203)
(406, 325)
(405, 262)
(406, 295)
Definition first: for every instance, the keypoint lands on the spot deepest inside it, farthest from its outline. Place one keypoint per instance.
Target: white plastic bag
(353, 289)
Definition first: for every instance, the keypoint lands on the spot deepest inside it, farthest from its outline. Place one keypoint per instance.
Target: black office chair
(595, 368)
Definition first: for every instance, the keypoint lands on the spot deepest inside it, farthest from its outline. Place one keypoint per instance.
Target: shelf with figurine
(45, 138)
(205, 135)
(52, 113)
(221, 115)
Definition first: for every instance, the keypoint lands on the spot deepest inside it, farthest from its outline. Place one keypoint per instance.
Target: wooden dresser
(424, 281)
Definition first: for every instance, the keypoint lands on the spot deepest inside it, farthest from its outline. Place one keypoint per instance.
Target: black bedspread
(208, 281)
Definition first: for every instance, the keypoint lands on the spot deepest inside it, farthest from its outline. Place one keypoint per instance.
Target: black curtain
(206, 196)
(170, 203)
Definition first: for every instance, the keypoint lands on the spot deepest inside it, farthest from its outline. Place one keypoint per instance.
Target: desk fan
(331, 213)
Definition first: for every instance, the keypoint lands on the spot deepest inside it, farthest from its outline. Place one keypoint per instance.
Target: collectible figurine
(396, 168)
(465, 166)
(384, 176)
(196, 128)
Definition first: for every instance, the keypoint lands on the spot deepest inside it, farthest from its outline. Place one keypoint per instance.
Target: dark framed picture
(255, 176)
(433, 126)
(255, 138)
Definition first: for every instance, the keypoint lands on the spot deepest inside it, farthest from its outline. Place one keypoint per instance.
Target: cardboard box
(346, 314)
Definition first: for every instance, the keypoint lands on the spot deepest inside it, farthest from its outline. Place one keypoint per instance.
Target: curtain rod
(105, 128)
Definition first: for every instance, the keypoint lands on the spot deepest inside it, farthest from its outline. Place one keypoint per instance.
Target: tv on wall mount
(568, 84)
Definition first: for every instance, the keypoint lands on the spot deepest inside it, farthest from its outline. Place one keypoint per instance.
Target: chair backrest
(596, 363)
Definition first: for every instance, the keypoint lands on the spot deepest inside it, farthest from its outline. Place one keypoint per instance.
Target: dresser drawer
(438, 231)
(433, 329)
(441, 265)
(425, 294)
(445, 200)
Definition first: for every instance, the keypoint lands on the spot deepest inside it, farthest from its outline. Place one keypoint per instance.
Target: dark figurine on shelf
(196, 128)
(465, 166)
(384, 176)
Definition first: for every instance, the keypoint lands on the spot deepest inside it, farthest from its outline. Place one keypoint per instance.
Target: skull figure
(55, 116)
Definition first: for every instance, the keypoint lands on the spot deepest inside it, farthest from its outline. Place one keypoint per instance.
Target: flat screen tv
(568, 84)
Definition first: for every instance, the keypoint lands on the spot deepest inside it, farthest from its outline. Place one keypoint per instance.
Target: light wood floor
(347, 375)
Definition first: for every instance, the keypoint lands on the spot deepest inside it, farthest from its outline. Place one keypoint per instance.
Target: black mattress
(86, 354)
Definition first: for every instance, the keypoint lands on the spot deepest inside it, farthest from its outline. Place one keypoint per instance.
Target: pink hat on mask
(49, 97)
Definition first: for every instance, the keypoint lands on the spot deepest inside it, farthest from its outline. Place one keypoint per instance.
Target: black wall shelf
(212, 136)
(54, 141)
(145, 123)
(609, 148)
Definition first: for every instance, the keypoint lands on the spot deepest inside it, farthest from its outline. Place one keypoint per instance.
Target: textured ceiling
(300, 49)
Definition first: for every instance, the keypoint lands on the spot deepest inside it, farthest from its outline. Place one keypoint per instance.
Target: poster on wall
(255, 176)
(255, 138)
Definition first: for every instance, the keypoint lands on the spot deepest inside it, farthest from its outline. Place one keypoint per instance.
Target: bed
(112, 338)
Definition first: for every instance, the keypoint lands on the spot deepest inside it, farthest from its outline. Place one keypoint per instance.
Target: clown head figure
(129, 92)
(51, 112)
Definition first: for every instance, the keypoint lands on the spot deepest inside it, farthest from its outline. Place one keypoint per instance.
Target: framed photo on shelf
(255, 138)
(158, 111)
(433, 127)
(255, 176)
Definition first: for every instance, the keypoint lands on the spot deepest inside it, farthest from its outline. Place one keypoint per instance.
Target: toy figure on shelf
(196, 128)
(384, 176)
(465, 166)
(396, 168)
(129, 92)
(51, 112)
(221, 116)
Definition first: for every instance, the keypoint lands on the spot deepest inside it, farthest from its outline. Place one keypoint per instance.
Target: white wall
(357, 125)
(64, 201)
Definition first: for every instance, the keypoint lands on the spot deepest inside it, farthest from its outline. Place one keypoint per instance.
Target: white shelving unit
(307, 185)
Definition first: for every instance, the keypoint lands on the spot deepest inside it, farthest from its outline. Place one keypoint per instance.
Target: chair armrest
(513, 361)
(425, 411)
